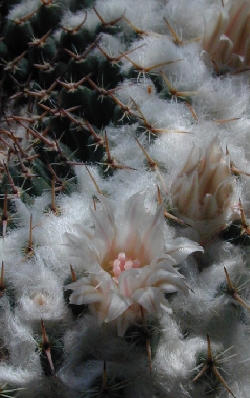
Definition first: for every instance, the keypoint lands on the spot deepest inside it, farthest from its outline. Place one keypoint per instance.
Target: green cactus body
(76, 41)
(108, 75)
(48, 17)
(81, 96)
(43, 53)
(96, 151)
(120, 117)
(17, 36)
(3, 51)
(77, 69)
(104, 106)
(49, 74)
(80, 137)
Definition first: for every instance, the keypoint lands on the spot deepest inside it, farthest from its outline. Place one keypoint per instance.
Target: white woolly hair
(23, 363)
(39, 294)
(23, 9)
(144, 14)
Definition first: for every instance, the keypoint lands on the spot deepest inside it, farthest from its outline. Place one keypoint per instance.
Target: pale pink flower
(204, 190)
(128, 264)
(226, 37)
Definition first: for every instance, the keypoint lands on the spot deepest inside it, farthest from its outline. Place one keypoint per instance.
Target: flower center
(122, 263)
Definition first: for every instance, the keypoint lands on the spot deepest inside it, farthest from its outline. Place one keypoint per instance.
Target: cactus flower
(203, 190)
(128, 263)
(226, 36)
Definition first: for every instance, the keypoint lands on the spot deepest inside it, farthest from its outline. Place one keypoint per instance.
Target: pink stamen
(121, 263)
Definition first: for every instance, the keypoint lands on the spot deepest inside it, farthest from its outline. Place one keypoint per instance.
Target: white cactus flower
(203, 191)
(226, 36)
(127, 263)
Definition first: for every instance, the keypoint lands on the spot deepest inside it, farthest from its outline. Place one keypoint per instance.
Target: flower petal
(153, 240)
(133, 278)
(108, 206)
(180, 248)
(118, 304)
(84, 293)
(215, 22)
(149, 298)
(104, 230)
(129, 237)
(162, 278)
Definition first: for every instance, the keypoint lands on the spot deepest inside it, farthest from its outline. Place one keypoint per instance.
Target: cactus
(124, 170)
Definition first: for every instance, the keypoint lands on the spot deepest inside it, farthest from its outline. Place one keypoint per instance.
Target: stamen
(122, 263)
